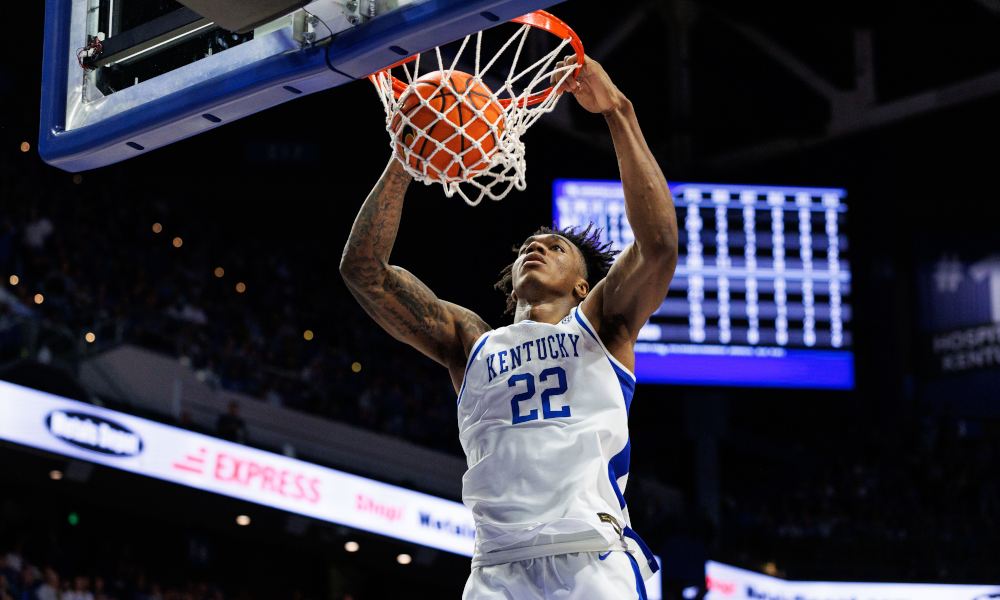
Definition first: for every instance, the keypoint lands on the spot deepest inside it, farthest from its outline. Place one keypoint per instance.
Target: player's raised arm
(638, 281)
(397, 300)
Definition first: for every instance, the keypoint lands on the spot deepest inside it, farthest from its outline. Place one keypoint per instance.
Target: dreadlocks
(597, 258)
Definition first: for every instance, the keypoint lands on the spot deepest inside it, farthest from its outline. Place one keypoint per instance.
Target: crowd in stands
(150, 272)
(22, 579)
(918, 503)
(100, 557)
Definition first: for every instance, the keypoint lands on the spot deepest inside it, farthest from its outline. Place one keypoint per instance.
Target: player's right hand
(590, 85)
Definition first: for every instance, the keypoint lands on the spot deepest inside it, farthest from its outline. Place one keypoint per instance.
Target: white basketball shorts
(576, 576)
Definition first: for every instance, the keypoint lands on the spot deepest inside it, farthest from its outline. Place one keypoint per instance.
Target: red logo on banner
(193, 463)
(390, 513)
(726, 588)
(252, 474)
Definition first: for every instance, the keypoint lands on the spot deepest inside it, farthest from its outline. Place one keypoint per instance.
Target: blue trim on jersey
(614, 484)
(620, 461)
(628, 385)
(624, 379)
(584, 325)
(640, 585)
(468, 367)
(650, 559)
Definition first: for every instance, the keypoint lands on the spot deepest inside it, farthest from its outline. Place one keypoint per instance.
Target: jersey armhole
(585, 323)
(472, 356)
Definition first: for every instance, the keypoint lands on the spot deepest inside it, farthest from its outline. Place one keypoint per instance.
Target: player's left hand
(590, 85)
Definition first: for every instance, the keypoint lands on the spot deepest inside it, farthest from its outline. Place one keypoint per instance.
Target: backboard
(123, 77)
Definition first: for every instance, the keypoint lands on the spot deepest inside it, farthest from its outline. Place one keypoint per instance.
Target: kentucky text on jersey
(551, 347)
(543, 419)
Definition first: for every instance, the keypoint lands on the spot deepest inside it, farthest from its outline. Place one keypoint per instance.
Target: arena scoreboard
(761, 294)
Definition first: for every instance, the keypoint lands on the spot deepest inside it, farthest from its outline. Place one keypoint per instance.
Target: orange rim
(538, 19)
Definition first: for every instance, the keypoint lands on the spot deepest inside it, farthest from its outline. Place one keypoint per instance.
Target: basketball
(458, 130)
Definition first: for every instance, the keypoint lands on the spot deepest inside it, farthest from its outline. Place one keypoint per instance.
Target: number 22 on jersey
(555, 375)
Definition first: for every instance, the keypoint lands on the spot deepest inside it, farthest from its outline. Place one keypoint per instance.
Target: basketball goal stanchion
(449, 127)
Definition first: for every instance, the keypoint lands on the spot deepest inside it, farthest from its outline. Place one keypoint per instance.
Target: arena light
(90, 337)
(55, 474)
(157, 228)
(78, 179)
(219, 271)
(356, 367)
(39, 298)
(308, 335)
(14, 279)
(73, 519)
(352, 546)
(25, 146)
(404, 559)
(240, 287)
(243, 520)
(178, 242)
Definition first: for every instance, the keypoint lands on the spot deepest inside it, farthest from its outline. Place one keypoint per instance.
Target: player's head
(551, 262)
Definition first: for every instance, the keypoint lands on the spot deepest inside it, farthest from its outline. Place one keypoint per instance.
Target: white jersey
(543, 419)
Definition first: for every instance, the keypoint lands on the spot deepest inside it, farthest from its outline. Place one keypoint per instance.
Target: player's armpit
(412, 313)
(632, 291)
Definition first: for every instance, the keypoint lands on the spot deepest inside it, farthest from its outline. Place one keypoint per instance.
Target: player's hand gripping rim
(590, 85)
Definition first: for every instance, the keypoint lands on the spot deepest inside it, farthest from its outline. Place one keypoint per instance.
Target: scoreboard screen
(761, 295)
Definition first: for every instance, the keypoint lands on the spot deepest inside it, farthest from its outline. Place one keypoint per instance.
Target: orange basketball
(457, 131)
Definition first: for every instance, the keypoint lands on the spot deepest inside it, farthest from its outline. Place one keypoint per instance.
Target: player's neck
(544, 311)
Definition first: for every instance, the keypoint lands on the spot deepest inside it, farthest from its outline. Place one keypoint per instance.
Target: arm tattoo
(398, 301)
(375, 227)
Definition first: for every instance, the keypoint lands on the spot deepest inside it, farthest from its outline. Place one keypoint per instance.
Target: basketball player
(543, 403)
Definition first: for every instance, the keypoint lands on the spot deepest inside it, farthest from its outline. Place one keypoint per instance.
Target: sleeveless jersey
(543, 420)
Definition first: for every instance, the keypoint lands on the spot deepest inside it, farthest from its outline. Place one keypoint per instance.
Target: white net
(476, 156)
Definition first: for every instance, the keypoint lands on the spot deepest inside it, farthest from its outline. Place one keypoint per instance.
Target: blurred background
(213, 262)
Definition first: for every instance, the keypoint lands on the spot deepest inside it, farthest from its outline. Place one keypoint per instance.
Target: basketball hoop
(494, 148)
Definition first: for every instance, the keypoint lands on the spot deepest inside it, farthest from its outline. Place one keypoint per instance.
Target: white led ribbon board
(725, 582)
(121, 441)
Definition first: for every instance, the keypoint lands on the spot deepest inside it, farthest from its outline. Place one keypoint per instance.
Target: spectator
(99, 593)
(187, 421)
(37, 231)
(230, 426)
(81, 590)
(30, 580)
(14, 560)
(49, 590)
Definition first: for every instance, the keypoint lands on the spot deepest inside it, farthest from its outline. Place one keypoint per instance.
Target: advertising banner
(729, 583)
(958, 284)
(110, 438)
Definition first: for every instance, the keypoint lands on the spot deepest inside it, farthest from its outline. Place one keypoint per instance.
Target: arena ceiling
(737, 82)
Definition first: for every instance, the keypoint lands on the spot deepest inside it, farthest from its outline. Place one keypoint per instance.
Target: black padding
(148, 37)
(241, 16)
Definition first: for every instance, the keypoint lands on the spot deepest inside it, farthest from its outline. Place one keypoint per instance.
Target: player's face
(547, 264)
